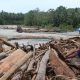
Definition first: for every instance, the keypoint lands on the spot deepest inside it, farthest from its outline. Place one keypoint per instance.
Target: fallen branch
(42, 68)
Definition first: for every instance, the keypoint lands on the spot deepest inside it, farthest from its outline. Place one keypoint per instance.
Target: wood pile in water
(51, 61)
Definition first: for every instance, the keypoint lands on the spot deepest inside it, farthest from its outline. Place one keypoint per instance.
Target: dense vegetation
(11, 18)
(61, 17)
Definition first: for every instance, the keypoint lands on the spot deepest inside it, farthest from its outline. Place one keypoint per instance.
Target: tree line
(61, 17)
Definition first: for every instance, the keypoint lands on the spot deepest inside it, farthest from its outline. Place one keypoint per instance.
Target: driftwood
(30, 67)
(41, 64)
(36, 71)
(38, 64)
(25, 66)
(8, 62)
(71, 52)
(16, 66)
(18, 75)
(42, 68)
(1, 48)
(59, 53)
(76, 43)
(59, 67)
(3, 55)
(7, 43)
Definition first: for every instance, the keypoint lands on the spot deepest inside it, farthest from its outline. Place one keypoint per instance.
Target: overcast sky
(27, 5)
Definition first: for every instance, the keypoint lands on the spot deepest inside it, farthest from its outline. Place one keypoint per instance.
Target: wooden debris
(60, 67)
(3, 55)
(18, 74)
(47, 62)
(7, 43)
(16, 66)
(8, 62)
(1, 48)
(42, 68)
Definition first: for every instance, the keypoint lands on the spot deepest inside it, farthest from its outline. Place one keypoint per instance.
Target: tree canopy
(54, 18)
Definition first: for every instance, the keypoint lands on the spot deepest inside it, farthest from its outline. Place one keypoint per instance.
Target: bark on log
(76, 43)
(71, 52)
(16, 66)
(38, 64)
(18, 75)
(1, 48)
(30, 67)
(8, 62)
(7, 43)
(3, 55)
(25, 66)
(42, 68)
(60, 67)
(59, 53)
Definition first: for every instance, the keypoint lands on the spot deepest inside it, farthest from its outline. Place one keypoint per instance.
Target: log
(35, 58)
(7, 43)
(3, 55)
(18, 75)
(38, 64)
(1, 48)
(59, 53)
(17, 65)
(59, 66)
(42, 68)
(25, 66)
(30, 67)
(8, 62)
(71, 52)
(76, 43)
(40, 54)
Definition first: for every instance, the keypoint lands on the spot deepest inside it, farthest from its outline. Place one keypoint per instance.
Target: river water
(30, 41)
(12, 33)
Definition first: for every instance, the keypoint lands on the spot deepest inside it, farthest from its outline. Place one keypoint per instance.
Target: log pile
(48, 62)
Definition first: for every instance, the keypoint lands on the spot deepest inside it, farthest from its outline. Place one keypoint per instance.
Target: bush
(65, 28)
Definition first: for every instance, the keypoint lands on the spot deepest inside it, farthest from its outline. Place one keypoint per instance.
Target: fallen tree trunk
(59, 53)
(7, 43)
(42, 68)
(59, 66)
(16, 66)
(8, 62)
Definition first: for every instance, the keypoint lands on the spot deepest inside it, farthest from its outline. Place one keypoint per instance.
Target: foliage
(63, 18)
(11, 18)
(64, 27)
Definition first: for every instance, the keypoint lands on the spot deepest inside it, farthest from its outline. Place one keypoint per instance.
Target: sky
(24, 6)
